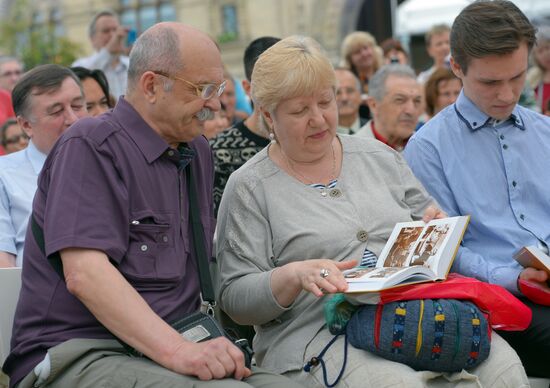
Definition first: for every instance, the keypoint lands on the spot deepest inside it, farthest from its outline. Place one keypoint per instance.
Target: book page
(428, 250)
(401, 244)
(363, 279)
(442, 243)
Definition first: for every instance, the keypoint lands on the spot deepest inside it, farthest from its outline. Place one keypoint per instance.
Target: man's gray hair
(9, 58)
(377, 83)
(357, 80)
(543, 34)
(157, 50)
(92, 26)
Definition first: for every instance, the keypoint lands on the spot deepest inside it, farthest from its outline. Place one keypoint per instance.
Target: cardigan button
(362, 236)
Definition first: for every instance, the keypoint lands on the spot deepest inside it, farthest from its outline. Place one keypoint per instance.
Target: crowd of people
(103, 160)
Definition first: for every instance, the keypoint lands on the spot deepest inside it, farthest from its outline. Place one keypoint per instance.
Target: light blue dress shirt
(18, 179)
(499, 173)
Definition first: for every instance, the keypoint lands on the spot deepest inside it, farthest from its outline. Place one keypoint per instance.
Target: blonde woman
(361, 54)
(301, 211)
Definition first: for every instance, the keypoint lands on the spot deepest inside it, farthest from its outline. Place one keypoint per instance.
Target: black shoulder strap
(201, 257)
(54, 259)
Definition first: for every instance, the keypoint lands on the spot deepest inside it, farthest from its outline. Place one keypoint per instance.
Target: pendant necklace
(333, 192)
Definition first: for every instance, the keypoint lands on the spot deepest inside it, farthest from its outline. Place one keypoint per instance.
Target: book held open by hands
(415, 252)
(533, 257)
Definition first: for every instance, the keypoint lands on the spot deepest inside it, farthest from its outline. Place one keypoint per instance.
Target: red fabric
(534, 292)
(504, 310)
(381, 138)
(6, 108)
(378, 318)
(545, 95)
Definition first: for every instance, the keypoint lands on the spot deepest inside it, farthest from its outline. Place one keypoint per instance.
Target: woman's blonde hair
(352, 42)
(295, 66)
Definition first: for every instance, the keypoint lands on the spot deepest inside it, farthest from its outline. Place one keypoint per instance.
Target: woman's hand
(433, 212)
(322, 276)
(288, 281)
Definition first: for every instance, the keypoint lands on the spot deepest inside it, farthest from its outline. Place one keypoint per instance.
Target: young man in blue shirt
(488, 157)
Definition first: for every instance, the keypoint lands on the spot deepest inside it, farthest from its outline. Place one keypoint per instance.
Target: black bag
(199, 327)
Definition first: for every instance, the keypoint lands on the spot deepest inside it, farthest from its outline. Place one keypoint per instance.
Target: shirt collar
(475, 119)
(36, 157)
(381, 138)
(151, 145)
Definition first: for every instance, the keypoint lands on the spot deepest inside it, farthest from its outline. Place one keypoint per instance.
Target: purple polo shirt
(113, 184)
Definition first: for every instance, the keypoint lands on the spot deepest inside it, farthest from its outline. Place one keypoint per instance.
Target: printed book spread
(415, 252)
(533, 257)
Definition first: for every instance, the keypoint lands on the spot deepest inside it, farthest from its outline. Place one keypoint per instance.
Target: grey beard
(204, 114)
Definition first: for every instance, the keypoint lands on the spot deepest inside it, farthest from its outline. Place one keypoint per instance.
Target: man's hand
(533, 285)
(536, 276)
(217, 358)
(115, 46)
(7, 260)
(433, 212)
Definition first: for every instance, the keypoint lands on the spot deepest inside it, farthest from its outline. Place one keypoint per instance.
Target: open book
(415, 252)
(533, 257)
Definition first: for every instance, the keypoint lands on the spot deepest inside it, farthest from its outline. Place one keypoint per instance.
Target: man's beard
(204, 114)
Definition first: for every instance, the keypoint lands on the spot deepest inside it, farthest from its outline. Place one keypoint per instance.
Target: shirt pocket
(152, 249)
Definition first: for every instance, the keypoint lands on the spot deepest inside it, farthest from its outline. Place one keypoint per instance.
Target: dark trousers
(533, 344)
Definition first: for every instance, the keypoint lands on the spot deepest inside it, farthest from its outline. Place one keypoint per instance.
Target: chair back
(10, 284)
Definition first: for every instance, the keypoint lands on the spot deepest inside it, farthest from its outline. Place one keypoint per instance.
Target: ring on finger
(324, 273)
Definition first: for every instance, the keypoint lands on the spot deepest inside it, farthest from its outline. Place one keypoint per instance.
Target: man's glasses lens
(209, 90)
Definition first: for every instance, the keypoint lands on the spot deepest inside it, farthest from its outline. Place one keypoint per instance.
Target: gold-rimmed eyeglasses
(204, 91)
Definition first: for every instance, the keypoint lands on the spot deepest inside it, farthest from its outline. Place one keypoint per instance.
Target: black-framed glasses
(16, 138)
(204, 91)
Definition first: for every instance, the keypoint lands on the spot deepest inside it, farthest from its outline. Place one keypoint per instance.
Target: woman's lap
(502, 369)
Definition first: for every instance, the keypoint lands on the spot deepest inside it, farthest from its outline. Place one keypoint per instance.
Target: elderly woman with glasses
(13, 137)
(305, 208)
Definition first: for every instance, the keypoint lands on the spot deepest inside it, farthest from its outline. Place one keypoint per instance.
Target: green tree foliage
(34, 45)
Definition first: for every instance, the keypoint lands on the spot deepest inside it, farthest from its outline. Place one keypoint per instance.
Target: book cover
(415, 252)
(533, 257)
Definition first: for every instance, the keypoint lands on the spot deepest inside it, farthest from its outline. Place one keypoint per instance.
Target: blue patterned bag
(443, 335)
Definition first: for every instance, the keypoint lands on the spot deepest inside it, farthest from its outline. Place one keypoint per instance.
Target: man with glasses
(46, 100)
(10, 72)
(113, 202)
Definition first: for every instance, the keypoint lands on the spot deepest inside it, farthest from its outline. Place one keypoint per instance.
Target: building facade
(232, 23)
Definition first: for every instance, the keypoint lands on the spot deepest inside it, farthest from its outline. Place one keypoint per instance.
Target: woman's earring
(272, 138)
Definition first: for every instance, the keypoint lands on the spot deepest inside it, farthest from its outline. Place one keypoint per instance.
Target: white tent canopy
(415, 17)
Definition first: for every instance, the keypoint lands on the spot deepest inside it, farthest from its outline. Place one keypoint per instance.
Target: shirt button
(144, 248)
(505, 146)
(170, 153)
(165, 238)
(335, 193)
(522, 216)
(362, 235)
(501, 137)
(474, 123)
(514, 183)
